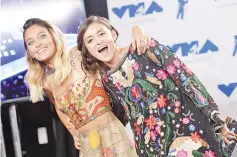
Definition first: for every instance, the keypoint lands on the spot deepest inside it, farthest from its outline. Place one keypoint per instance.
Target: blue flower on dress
(191, 127)
(163, 111)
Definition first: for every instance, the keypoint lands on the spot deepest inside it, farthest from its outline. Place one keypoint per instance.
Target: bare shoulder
(74, 53)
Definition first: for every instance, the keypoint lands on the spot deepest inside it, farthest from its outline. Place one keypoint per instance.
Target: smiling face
(100, 42)
(40, 43)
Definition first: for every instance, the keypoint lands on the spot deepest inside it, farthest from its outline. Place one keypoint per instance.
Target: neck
(118, 56)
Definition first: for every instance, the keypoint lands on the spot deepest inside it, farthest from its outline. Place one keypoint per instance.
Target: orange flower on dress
(195, 137)
(162, 101)
(108, 152)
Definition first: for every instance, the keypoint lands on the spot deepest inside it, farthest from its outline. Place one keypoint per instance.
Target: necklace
(48, 70)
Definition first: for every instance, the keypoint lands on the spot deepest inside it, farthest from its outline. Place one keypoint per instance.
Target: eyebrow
(97, 33)
(31, 38)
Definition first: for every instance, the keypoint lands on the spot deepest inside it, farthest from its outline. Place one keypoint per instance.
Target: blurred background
(203, 33)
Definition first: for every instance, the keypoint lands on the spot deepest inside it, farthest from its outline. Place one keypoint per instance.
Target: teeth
(102, 48)
(41, 50)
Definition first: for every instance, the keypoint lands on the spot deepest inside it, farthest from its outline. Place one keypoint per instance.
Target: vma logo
(138, 9)
(181, 4)
(229, 89)
(194, 47)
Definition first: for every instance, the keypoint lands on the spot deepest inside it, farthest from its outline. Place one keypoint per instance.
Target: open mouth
(41, 50)
(103, 49)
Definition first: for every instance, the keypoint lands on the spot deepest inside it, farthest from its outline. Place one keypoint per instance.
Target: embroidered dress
(170, 111)
(84, 101)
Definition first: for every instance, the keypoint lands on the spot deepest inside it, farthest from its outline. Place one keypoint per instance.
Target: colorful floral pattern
(164, 101)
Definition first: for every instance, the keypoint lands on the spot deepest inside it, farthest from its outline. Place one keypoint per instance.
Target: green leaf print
(197, 153)
(168, 132)
(145, 84)
(169, 84)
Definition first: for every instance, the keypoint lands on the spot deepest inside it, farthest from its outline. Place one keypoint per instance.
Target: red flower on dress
(108, 152)
(136, 92)
(150, 122)
(137, 128)
(195, 137)
(162, 101)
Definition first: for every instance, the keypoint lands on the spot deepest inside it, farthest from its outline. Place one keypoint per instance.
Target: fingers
(148, 42)
(77, 143)
(227, 141)
(138, 44)
(133, 44)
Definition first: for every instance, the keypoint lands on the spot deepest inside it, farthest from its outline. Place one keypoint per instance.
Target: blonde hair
(35, 74)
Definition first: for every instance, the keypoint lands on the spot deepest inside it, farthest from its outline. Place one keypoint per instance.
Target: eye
(102, 34)
(90, 40)
(30, 43)
(42, 36)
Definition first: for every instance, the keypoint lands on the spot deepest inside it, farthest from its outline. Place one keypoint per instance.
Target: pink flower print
(158, 129)
(171, 69)
(177, 104)
(153, 135)
(176, 110)
(176, 63)
(186, 120)
(108, 152)
(153, 43)
(209, 154)
(182, 153)
(135, 66)
(161, 74)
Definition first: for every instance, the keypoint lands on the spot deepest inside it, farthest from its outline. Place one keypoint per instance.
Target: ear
(114, 34)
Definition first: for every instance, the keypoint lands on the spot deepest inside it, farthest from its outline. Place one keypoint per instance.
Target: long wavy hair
(90, 63)
(35, 74)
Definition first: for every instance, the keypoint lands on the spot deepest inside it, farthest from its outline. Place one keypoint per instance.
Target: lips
(42, 50)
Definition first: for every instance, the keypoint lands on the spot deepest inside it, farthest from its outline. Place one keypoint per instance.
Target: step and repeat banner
(203, 33)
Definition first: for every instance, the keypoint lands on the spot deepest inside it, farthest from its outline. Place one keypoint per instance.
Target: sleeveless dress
(84, 100)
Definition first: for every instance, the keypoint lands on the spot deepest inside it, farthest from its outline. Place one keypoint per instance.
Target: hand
(77, 143)
(227, 135)
(74, 133)
(140, 39)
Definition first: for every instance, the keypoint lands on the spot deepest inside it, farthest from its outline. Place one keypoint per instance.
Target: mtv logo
(137, 9)
(194, 47)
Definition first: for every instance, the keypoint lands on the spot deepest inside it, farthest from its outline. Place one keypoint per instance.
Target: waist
(94, 116)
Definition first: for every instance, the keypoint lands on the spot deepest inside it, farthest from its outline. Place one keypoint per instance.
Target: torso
(80, 96)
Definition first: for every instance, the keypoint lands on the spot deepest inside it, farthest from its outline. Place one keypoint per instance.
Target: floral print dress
(170, 111)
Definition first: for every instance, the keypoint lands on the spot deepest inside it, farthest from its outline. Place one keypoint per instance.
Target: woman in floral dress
(170, 111)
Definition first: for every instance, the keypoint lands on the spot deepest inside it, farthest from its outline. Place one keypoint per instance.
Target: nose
(38, 44)
(99, 42)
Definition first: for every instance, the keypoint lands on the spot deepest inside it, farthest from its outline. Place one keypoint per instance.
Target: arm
(187, 81)
(62, 116)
